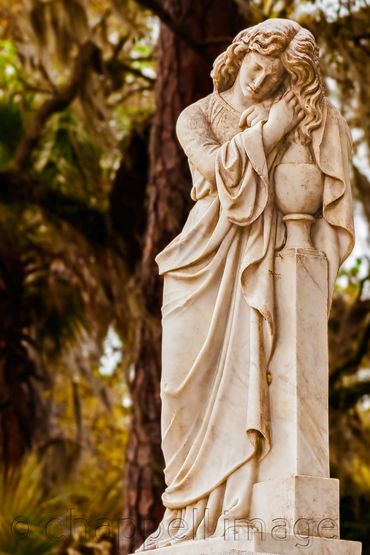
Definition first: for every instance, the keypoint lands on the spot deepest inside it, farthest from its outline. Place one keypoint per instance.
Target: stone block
(262, 544)
(301, 504)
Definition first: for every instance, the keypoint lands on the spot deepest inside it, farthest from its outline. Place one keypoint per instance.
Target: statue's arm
(202, 148)
(198, 140)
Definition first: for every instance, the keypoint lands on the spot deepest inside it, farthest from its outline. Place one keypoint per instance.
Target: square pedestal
(262, 544)
(299, 391)
(305, 505)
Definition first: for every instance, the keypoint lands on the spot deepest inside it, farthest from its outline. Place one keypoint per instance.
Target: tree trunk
(183, 77)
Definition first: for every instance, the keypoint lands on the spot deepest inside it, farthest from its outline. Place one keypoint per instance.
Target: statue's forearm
(204, 157)
(271, 137)
(206, 162)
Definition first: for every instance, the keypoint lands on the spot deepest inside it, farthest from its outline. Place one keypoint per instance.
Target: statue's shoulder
(193, 120)
(198, 109)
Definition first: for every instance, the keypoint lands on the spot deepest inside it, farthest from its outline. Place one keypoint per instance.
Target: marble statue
(247, 289)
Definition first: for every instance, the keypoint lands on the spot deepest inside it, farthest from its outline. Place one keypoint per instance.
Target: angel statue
(268, 111)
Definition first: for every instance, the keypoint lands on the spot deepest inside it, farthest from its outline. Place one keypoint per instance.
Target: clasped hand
(282, 115)
(254, 114)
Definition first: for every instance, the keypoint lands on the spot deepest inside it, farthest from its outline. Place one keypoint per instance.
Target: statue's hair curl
(299, 54)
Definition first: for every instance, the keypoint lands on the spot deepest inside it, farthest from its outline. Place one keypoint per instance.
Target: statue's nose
(258, 82)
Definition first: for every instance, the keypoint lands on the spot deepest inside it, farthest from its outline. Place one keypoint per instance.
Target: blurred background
(92, 185)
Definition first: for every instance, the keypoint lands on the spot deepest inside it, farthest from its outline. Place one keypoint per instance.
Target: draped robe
(218, 309)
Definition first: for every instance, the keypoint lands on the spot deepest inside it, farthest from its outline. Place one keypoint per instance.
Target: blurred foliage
(76, 98)
(23, 509)
(32, 523)
(349, 337)
(76, 79)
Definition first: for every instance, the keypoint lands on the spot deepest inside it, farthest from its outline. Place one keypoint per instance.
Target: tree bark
(183, 77)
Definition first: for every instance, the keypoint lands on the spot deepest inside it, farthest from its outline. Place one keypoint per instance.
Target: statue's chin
(250, 96)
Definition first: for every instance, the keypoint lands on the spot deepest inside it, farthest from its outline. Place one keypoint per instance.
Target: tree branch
(58, 102)
(198, 46)
(129, 93)
(355, 24)
(353, 363)
(92, 223)
(156, 7)
(136, 72)
(346, 397)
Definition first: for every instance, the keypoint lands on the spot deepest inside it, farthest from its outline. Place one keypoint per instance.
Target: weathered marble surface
(299, 368)
(263, 546)
(304, 504)
(293, 480)
(247, 290)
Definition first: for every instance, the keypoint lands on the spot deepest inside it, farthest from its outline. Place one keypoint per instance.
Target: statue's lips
(255, 92)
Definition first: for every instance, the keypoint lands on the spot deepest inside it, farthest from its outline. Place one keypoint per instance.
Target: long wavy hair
(296, 47)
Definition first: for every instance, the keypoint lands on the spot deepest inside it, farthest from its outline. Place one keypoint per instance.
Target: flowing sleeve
(200, 145)
(334, 232)
(242, 176)
(237, 169)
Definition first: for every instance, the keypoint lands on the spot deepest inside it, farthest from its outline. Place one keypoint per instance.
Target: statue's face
(260, 76)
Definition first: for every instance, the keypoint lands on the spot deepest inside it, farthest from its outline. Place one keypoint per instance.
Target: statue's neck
(236, 99)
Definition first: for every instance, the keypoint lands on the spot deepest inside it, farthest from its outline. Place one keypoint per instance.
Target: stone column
(293, 483)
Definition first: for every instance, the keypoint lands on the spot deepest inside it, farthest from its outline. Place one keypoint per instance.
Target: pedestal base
(262, 544)
(305, 505)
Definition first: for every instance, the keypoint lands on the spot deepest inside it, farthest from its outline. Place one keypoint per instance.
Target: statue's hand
(254, 114)
(285, 115)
